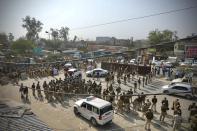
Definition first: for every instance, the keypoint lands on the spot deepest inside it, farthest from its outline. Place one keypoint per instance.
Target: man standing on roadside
(21, 90)
(193, 109)
(139, 82)
(177, 122)
(143, 80)
(33, 89)
(163, 112)
(25, 92)
(154, 102)
(135, 86)
(149, 117)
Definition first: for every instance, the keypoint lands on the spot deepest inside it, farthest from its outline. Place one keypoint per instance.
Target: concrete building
(186, 48)
(103, 39)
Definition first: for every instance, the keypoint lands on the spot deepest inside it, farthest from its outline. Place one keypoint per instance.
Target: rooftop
(97, 102)
(15, 116)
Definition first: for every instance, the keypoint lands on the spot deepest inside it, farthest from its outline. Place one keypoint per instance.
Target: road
(61, 117)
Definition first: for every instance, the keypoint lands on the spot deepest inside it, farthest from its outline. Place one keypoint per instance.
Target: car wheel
(188, 96)
(166, 91)
(93, 121)
(76, 111)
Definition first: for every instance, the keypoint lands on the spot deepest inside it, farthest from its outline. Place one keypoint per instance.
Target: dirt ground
(61, 117)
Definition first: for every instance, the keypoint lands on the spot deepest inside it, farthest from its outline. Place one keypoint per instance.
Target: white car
(132, 61)
(180, 89)
(195, 63)
(97, 110)
(68, 65)
(157, 63)
(96, 71)
(168, 64)
(74, 72)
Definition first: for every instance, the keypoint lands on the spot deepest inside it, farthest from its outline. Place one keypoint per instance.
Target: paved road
(61, 116)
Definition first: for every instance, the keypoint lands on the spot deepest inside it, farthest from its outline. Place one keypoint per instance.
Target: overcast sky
(80, 13)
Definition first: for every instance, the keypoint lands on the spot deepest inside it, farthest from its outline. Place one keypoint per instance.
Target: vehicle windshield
(173, 83)
(106, 109)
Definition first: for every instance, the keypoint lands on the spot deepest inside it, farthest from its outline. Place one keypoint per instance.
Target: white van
(97, 110)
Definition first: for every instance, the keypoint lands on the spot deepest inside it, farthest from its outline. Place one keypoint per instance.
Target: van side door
(96, 112)
(89, 112)
(83, 110)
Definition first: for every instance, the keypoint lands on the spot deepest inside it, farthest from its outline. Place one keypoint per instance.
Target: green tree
(54, 57)
(75, 38)
(23, 47)
(32, 26)
(4, 43)
(54, 33)
(10, 37)
(156, 36)
(64, 33)
(52, 44)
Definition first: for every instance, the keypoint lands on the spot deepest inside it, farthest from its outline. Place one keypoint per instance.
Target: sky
(80, 13)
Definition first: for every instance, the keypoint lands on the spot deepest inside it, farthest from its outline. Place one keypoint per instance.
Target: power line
(135, 18)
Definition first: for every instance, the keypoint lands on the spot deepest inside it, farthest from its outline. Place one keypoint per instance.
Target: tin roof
(18, 117)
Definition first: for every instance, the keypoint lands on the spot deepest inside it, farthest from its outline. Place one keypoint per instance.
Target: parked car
(157, 63)
(94, 72)
(180, 89)
(194, 64)
(68, 65)
(74, 72)
(132, 61)
(97, 110)
(168, 64)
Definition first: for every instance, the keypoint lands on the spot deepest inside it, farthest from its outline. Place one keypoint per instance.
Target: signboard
(151, 50)
(37, 51)
(191, 52)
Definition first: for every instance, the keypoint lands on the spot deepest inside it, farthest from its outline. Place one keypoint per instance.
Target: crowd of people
(123, 101)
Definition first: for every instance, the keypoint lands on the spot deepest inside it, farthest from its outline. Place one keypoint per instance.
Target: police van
(97, 110)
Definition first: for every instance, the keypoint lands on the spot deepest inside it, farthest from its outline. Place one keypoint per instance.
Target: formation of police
(123, 101)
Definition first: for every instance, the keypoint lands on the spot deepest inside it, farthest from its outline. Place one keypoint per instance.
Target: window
(95, 110)
(106, 109)
(175, 87)
(89, 107)
(185, 80)
(180, 88)
(83, 105)
(183, 88)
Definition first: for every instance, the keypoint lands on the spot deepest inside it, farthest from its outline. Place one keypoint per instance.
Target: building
(109, 48)
(186, 48)
(103, 39)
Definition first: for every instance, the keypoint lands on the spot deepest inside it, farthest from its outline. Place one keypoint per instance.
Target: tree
(156, 36)
(114, 40)
(75, 38)
(52, 44)
(32, 26)
(54, 33)
(64, 33)
(23, 47)
(4, 43)
(10, 37)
